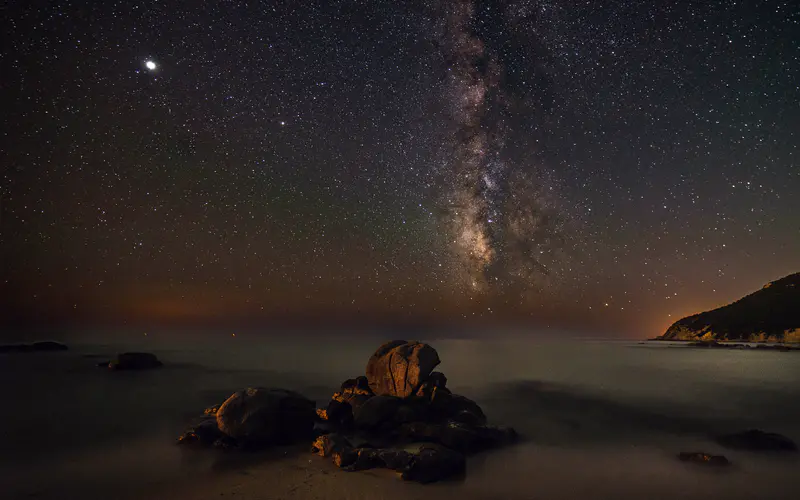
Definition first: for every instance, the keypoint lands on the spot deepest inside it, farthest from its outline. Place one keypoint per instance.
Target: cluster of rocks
(399, 415)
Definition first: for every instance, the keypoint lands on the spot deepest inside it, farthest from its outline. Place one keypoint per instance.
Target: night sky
(590, 165)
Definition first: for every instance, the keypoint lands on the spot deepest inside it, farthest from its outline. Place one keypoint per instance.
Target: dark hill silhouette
(771, 314)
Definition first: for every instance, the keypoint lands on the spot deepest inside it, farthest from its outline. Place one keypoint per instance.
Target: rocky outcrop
(771, 314)
(372, 420)
(377, 420)
(46, 345)
(259, 416)
(399, 368)
(134, 361)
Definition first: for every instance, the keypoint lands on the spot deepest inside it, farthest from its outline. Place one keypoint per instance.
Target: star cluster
(559, 163)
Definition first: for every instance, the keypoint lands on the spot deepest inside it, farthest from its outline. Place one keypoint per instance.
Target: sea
(599, 418)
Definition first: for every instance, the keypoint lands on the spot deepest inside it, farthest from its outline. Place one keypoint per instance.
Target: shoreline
(734, 344)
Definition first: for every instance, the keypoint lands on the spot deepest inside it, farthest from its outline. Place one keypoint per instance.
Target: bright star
(150, 65)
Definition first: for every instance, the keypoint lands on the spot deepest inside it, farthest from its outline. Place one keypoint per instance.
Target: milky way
(599, 164)
(503, 230)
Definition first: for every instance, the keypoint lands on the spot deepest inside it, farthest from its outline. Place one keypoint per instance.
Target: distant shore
(734, 344)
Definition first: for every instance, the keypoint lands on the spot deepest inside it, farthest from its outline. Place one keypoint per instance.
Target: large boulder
(399, 368)
(134, 361)
(756, 440)
(259, 416)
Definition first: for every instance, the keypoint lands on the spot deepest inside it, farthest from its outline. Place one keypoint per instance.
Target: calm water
(604, 419)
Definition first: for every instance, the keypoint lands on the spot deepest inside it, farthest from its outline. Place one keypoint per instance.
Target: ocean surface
(601, 419)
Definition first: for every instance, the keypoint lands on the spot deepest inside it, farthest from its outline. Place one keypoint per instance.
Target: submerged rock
(756, 440)
(702, 458)
(399, 368)
(259, 416)
(134, 361)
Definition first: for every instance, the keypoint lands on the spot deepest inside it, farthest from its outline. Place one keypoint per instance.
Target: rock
(211, 410)
(431, 463)
(358, 386)
(347, 401)
(399, 368)
(756, 440)
(375, 411)
(448, 406)
(436, 380)
(328, 444)
(345, 458)
(702, 458)
(339, 413)
(46, 345)
(206, 432)
(458, 436)
(134, 361)
(259, 416)
(411, 411)
(434, 463)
